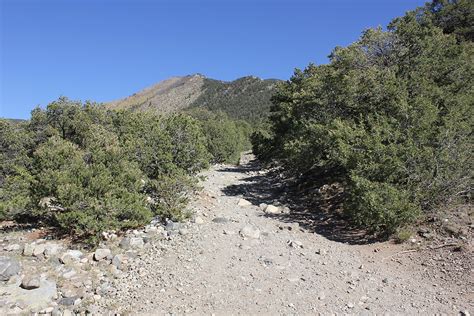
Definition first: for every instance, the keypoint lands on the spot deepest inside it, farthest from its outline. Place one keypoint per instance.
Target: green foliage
(84, 170)
(247, 98)
(392, 113)
(226, 139)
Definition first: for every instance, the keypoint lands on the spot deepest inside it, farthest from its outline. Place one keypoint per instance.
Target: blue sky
(107, 49)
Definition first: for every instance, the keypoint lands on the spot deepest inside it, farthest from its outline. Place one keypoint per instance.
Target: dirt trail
(209, 268)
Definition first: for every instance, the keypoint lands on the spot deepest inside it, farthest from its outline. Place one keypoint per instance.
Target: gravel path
(278, 268)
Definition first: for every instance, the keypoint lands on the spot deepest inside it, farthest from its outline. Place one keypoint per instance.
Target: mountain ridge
(247, 97)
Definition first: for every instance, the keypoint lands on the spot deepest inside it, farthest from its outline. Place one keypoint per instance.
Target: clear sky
(107, 49)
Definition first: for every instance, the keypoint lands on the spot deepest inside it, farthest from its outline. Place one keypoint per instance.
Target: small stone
(8, 268)
(39, 250)
(101, 254)
(71, 256)
(321, 296)
(183, 231)
(220, 220)
(51, 249)
(69, 274)
(271, 209)
(198, 220)
(250, 231)
(320, 252)
(47, 310)
(30, 282)
(28, 249)
(263, 206)
(118, 261)
(243, 202)
(350, 305)
(385, 281)
(67, 312)
(137, 242)
(13, 247)
(295, 244)
(171, 226)
(67, 301)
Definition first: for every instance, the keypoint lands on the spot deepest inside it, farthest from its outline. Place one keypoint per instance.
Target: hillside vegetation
(389, 119)
(247, 98)
(85, 170)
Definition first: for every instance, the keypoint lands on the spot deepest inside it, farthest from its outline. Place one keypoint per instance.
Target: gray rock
(183, 231)
(8, 268)
(263, 206)
(220, 220)
(250, 231)
(118, 261)
(132, 242)
(35, 299)
(101, 254)
(125, 243)
(171, 226)
(30, 282)
(67, 301)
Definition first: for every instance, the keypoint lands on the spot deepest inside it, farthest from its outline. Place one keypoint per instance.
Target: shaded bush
(225, 138)
(392, 113)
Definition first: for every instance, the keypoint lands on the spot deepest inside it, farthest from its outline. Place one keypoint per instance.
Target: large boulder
(8, 268)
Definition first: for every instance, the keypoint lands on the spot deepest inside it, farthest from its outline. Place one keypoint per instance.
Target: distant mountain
(245, 98)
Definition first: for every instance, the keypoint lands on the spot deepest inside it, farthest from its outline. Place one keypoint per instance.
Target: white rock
(250, 231)
(30, 282)
(295, 243)
(39, 250)
(13, 247)
(28, 249)
(101, 254)
(198, 220)
(136, 242)
(52, 249)
(243, 202)
(271, 209)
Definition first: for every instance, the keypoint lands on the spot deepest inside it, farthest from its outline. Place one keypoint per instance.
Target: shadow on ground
(308, 209)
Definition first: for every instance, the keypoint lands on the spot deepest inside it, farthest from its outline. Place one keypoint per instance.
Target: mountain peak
(242, 97)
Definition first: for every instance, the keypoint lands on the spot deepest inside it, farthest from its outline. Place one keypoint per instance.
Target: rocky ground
(243, 252)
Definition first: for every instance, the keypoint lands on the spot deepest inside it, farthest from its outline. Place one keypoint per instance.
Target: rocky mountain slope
(246, 97)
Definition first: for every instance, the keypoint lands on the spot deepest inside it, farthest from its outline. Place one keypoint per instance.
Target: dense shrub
(392, 113)
(85, 170)
(225, 138)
